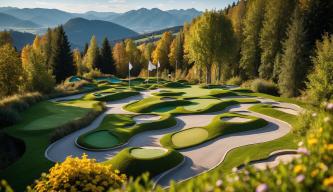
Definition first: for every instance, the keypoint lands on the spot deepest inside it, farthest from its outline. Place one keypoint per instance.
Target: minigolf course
(175, 130)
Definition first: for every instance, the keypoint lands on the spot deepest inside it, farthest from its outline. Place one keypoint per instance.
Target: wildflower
(329, 147)
(329, 106)
(303, 150)
(300, 144)
(328, 181)
(234, 170)
(323, 167)
(326, 119)
(300, 178)
(312, 141)
(262, 188)
(314, 173)
(219, 183)
(299, 169)
(314, 114)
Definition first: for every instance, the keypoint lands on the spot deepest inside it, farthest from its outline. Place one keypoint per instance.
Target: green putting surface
(147, 153)
(201, 104)
(189, 137)
(102, 139)
(163, 109)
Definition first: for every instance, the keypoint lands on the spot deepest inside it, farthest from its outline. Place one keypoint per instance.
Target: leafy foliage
(79, 174)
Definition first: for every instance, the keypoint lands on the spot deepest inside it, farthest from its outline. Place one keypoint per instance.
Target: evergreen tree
(5, 38)
(85, 50)
(277, 16)
(292, 69)
(92, 56)
(320, 85)
(250, 50)
(106, 64)
(61, 56)
(10, 70)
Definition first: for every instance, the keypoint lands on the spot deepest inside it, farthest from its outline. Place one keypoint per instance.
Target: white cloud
(117, 1)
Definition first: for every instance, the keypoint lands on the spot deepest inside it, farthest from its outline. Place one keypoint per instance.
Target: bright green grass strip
(127, 163)
(102, 139)
(248, 153)
(215, 129)
(144, 153)
(189, 137)
(270, 111)
(201, 104)
(123, 127)
(33, 162)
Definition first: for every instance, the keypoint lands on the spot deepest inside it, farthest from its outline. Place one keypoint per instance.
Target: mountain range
(80, 31)
(141, 20)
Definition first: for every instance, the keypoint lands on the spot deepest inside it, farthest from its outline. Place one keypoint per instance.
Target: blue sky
(80, 6)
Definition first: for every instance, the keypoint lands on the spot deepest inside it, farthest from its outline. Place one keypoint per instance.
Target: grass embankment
(118, 129)
(183, 105)
(136, 161)
(198, 135)
(110, 95)
(38, 123)
(244, 154)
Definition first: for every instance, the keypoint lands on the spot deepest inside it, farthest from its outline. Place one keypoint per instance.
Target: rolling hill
(40, 16)
(8, 21)
(81, 30)
(147, 20)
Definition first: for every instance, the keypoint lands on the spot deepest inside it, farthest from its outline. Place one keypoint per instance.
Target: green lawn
(119, 129)
(198, 135)
(37, 123)
(189, 137)
(144, 153)
(135, 161)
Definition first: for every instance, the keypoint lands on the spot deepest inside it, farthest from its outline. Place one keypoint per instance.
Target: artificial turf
(144, 153)
(195, 136)
(122, 127)
(37, 138)
(131, 165)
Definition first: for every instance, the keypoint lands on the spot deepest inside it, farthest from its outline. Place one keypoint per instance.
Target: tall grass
(10, 107)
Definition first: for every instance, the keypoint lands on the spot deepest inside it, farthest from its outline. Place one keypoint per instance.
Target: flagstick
(148, 76)
(176, 71)
(129, 79)
(157, 73)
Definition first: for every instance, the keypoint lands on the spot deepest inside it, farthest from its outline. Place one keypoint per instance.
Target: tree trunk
(208, 74)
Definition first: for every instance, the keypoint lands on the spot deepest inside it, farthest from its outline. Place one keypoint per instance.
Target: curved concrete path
(198, 159)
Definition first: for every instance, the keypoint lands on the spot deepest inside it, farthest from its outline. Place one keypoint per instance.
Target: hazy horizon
(118, 6)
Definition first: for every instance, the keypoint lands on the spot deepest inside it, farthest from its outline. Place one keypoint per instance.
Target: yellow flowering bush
(79, 174)
(4, 187)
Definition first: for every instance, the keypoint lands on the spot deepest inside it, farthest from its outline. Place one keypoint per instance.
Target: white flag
(151, 67)
(158, 64)
(130, 66)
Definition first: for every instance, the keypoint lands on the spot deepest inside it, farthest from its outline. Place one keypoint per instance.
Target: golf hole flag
(130, 66)
(151, 67)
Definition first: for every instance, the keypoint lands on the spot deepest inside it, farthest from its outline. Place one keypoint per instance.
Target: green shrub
(264, 86)
(237, 80)
(10, 107)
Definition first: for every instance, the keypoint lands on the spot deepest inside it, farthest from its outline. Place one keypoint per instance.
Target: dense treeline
(274, 40)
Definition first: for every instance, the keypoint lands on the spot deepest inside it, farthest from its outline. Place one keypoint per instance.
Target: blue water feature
(74, 79)
(108, 79)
